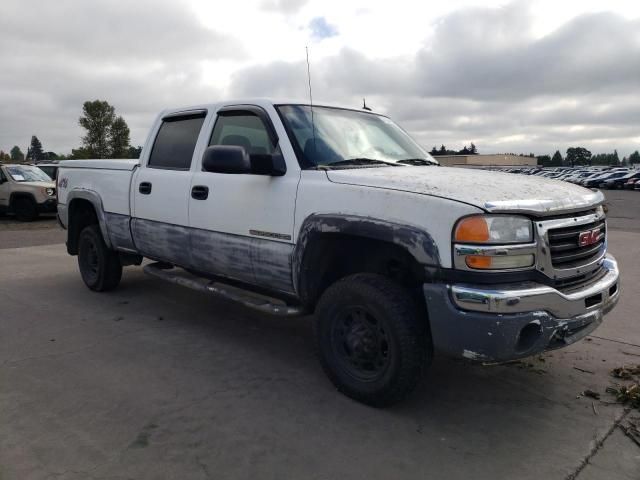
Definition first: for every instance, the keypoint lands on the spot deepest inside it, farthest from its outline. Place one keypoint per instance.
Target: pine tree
(556, 160)
(35, 152)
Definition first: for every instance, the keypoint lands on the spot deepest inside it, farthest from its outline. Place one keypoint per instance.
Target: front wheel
(25, 209)
(370, 339)
(100, 267)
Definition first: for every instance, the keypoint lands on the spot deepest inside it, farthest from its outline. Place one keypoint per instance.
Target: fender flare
(415, 240)
(95, 200)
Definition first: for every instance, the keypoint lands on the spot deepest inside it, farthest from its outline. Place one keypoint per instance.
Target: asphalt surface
(155, 381)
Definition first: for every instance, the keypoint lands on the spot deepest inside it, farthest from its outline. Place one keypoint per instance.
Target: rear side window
(175, 142)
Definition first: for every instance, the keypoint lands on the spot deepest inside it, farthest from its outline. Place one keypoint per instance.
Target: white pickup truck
(292, 210)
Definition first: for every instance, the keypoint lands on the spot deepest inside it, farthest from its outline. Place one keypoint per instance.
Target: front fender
(417, 242)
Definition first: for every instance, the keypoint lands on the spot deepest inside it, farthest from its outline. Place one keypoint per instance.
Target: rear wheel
(370, 339)
(25, 209)
(100, 267)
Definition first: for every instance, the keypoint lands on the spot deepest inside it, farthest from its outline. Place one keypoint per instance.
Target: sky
(516, 76)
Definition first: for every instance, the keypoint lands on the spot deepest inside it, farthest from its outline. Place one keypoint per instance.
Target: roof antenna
(364, 105)
(313, 124)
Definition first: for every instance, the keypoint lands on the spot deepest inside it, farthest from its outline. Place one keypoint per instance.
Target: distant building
(497, 160)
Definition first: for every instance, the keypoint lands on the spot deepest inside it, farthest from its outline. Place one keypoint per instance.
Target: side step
(246, 298)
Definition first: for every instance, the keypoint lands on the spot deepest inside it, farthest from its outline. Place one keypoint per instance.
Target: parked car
(599, 181)
(618, 182)
(340, 214)
(26, 191)
(50, 169)
(629, 184)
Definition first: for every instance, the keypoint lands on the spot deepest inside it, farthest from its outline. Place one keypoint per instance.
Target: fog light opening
(528, 336)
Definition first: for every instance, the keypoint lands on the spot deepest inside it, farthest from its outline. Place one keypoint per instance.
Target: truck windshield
(343, 138)
(27, 173)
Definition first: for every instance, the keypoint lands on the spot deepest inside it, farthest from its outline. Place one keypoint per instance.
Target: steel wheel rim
(361, 342)
(90, 261)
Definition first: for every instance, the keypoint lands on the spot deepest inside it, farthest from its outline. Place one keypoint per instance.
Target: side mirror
(226, 159)
(266, 164)
(235, 159)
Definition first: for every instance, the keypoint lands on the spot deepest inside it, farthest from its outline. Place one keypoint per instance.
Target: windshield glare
(26, 173)
(343, 135)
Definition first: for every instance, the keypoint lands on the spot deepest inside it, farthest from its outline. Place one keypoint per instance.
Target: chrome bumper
(601, 295)
(501, 324)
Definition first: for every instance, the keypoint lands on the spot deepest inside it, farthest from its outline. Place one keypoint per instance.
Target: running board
(244, 297)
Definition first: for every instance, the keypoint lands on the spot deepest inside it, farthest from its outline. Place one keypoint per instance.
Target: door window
(245, 130)
(175, 142)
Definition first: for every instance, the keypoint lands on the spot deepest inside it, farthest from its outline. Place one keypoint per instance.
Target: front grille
(565, 250)
(578, 282)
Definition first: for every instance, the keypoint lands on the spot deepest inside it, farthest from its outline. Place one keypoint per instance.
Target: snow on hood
(490, 190)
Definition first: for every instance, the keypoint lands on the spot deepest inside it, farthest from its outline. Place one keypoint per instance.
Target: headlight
(50, 191)
(494, 229)
(494, 242)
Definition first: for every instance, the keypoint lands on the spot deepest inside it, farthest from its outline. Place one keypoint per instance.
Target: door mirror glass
(226, 159)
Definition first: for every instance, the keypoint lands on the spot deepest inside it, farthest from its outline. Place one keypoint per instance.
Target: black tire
(25, 209)
(100, 267)
(371, 340)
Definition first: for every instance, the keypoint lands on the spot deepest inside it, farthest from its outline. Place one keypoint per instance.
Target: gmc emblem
(589, 237)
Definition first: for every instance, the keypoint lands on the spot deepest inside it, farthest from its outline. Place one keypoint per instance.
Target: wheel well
(328, 257)
(81, 214)
(18, 195)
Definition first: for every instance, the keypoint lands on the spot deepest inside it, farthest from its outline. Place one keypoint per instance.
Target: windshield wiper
(417, 162)
(358, 161)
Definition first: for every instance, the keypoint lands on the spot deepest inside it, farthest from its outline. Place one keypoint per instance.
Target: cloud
(321, 29)
(485, 77)
(283, 6)
(141, 59)
(477, 74)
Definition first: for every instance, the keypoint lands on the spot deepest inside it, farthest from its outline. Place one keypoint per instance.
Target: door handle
(200, 192)
(144, 188)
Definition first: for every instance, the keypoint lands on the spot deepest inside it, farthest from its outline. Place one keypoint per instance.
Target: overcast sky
(520, 76)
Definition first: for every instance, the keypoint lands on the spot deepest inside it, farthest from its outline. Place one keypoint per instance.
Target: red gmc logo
(589, 237)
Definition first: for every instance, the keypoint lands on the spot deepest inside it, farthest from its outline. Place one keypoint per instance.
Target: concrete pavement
(155, 381)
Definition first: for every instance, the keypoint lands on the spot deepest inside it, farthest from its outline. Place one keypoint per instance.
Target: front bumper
(48, 206)
(500, 324)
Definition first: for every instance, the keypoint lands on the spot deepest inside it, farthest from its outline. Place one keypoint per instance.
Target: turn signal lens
(486, 262)
(473, 230)
(478, 261)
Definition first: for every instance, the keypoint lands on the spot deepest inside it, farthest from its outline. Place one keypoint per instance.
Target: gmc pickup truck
(294, 209)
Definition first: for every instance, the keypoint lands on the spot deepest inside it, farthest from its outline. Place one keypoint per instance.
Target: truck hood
(489, 190)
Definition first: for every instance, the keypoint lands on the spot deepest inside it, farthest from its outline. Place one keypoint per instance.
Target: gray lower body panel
(119, 229)
(252, 260)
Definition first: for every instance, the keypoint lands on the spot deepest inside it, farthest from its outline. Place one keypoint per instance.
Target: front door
(243, 229)
(161, 190)
(4, 191)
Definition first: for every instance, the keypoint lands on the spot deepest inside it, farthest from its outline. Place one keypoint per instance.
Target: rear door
(243, 228)
(161, 189)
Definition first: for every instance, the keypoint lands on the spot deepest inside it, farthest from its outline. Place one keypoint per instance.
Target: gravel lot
(154, 381)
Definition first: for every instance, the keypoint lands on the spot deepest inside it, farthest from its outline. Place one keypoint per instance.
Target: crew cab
(26, 191)
(293, 209)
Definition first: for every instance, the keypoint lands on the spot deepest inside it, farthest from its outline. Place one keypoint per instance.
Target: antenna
(364, 105)
(313, 124)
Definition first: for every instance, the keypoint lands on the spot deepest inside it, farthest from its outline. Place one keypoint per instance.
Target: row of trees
(471, 150)
(581, 156)
(106, 136)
